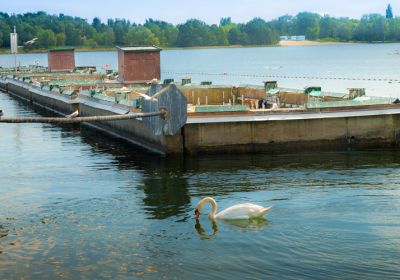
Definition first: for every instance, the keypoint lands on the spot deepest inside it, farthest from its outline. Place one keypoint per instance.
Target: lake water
(79, 205)
(334, 67)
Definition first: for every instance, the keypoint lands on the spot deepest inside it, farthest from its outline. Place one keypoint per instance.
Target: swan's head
(201, 204)
(198, 208)
(197, 213)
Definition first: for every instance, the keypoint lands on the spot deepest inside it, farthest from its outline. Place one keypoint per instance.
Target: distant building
(293, 38)
(138, 64)
(61, 59)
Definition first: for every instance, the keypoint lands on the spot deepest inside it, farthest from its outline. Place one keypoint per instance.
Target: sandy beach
(286, 43)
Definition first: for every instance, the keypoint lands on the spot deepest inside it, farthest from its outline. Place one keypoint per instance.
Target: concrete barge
(218, 119)
(257, 130)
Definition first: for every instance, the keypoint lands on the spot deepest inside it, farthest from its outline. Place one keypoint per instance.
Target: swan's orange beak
(197, 213)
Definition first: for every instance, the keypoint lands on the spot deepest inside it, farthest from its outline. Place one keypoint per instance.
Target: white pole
(14, 46)
(15, 54)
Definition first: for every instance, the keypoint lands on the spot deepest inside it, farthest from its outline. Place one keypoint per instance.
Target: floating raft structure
(207, 118)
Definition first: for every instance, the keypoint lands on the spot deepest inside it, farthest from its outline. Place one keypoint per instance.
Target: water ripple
(77, 204)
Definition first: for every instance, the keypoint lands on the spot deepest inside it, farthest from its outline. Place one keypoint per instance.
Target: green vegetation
(62, 30)
(389, 12)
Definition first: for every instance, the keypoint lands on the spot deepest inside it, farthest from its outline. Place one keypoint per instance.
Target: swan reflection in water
(252, 224)
(201, 231)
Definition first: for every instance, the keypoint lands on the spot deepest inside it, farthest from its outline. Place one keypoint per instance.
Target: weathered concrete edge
(294, 116)
(339, 133)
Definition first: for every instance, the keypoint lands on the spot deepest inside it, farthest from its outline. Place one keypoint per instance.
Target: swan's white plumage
(242, 211)
(236, 212)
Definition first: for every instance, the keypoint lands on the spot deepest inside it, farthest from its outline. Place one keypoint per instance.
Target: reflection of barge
(219, 118)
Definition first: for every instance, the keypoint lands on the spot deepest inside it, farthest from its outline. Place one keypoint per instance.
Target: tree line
(61, 30)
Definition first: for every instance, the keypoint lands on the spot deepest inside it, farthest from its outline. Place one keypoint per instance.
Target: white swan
(236, 212)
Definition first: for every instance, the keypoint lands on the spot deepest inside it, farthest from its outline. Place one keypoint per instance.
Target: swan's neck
(213, 206)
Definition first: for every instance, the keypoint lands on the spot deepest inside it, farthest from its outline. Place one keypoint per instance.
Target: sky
(210, 11)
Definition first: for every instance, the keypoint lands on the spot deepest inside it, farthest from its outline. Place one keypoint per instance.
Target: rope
(162, 114)
(282, 77)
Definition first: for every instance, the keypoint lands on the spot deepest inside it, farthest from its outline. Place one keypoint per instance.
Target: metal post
(15, 62)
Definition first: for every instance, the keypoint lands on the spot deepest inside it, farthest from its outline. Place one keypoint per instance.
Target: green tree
(393, 30)
(90, 43)
(96, 23)
(26, 32)
(193, 33)
(121, 28)
(171, 34)
(219, 35)
(60, 38)
(259, 32)
(308, 24)
(165, 32)
(237, 37)
(73, 35)
(226, 25)
(225, 21)
(371, 28)
(345, 29)
(283, 25)
(109, 39)
(4, 15)
(46, 38)
(389, 12)
(5, 30)
(328, 27)
(140, 36)
(75, 31)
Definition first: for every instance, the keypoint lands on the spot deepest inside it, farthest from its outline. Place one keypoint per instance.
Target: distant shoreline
(280, 44)
(110, 49)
